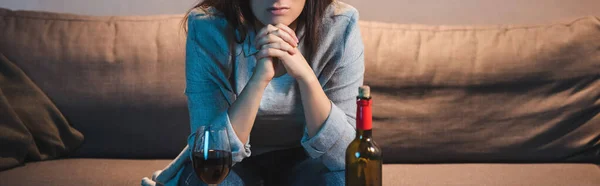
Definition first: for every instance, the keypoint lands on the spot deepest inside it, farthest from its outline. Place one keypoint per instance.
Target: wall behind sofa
(400, 11)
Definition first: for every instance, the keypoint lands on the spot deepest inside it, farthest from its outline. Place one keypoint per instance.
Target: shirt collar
(248, 44)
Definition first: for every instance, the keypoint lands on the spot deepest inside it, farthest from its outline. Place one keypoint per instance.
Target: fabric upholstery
(14, 135)
(77, 172)
(91, 172)
(491, 174)
(32, 128)
(485, 94)
(119, 80)
(441, 93)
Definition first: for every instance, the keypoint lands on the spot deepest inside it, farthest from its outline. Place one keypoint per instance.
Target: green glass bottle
(363, 155)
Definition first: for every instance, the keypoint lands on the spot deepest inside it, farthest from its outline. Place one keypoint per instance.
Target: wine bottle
(363, 155)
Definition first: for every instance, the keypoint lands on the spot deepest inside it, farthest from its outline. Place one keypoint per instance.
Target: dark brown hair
(239, 15)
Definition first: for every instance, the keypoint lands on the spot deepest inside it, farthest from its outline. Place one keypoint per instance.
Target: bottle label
(364, 115)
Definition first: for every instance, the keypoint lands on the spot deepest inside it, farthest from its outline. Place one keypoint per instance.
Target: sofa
(471, 105)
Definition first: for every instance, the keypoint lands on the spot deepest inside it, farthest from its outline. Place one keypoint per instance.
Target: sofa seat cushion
(91, 172)
(76, 172)
(491, 174)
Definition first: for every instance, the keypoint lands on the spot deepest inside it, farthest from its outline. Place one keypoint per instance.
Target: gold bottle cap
(364, 91)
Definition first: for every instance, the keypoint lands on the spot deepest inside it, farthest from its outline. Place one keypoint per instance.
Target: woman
(285, 72)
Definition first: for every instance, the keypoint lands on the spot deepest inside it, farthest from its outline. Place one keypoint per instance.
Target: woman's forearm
(242, 112)
(316, 104)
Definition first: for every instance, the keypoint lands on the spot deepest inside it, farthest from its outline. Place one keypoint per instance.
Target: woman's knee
(335, 178)
(321, 178)
(314, 172)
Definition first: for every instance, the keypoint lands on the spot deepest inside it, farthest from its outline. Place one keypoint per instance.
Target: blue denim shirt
(215, 77)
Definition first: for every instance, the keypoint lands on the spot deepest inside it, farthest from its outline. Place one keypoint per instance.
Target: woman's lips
(278, 11)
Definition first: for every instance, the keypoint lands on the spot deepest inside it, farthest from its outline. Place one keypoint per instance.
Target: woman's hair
(239, 16)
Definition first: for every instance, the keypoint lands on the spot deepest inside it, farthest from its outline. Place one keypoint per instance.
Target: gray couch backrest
(119, 80)
(528, 93)
(441, 94)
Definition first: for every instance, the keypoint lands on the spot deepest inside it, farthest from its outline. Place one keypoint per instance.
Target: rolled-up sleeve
(207, 95)
(330, 142)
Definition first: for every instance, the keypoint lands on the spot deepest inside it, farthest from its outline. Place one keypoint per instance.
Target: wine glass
(211, 154)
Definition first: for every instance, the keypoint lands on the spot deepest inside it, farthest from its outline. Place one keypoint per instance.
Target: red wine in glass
(212, 167)
(211, 154)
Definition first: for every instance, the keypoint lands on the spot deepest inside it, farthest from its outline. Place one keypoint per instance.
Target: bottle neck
(363, 114)
(364, 134)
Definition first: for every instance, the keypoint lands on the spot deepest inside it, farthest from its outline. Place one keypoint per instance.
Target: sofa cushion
(78, 172)
(14, 135)
(119, 80)
(31, 127)
(92, 172)
(460, 93)
(485, 93)
(491, 174)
